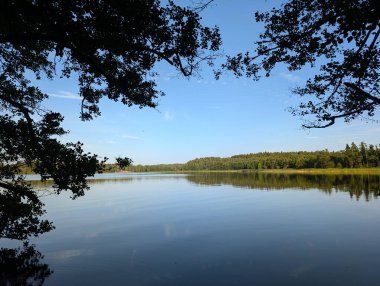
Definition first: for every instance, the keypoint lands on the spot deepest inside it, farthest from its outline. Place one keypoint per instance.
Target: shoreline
(311, 171)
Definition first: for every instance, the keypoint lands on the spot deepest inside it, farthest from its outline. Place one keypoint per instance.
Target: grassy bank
(313, 171)
(327, 171)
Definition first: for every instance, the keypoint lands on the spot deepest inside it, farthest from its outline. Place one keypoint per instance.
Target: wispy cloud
(202, 81)
(127, 136)
(168, 115)
(212, 82)
(290, 77)
(65, 95)
(170, 76)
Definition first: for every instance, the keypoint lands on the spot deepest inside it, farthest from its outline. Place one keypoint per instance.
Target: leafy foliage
(123, 162)
(343, 35)
(111, 47)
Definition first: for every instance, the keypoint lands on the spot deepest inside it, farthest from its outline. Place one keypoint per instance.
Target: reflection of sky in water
(112, 176)
(179, 230)
(64, 256)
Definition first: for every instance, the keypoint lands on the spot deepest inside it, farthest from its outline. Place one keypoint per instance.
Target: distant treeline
(353, 156)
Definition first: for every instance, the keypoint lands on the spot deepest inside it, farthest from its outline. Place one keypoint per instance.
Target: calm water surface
(215, 229)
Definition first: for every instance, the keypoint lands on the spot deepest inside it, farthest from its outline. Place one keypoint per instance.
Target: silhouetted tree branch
(112, 48)
(341, 35)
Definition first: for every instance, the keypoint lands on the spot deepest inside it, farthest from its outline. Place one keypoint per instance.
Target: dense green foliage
(341, 37)
(353, 156)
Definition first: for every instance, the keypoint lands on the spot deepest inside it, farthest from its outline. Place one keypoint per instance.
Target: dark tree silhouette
(343, 34)
(123, 162)
(112, 48)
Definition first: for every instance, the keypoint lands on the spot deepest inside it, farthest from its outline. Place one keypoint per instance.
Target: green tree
(123, 162)
(349, 160)
(372, 155)
(339, 36)
(112, 47)
(323, 160)
(363, 153)
(356, 156)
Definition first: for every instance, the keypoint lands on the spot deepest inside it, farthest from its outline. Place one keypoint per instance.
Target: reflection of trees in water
(357, 186)
(20, 218)
(21, 214)
(22, 266)
(43, 187)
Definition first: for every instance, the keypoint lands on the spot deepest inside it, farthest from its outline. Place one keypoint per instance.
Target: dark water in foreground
(216, 229)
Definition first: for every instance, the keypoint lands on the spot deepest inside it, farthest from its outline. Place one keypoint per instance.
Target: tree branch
(67, 42)
(20, 190)
(332, 118)
(29, 120)
(202, 6)
(363, 93)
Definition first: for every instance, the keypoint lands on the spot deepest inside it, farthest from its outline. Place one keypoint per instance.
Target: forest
(353, 156)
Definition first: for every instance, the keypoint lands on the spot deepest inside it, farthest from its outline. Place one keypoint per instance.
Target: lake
(215, 229)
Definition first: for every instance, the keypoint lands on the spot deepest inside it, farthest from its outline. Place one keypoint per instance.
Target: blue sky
(200, 116)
